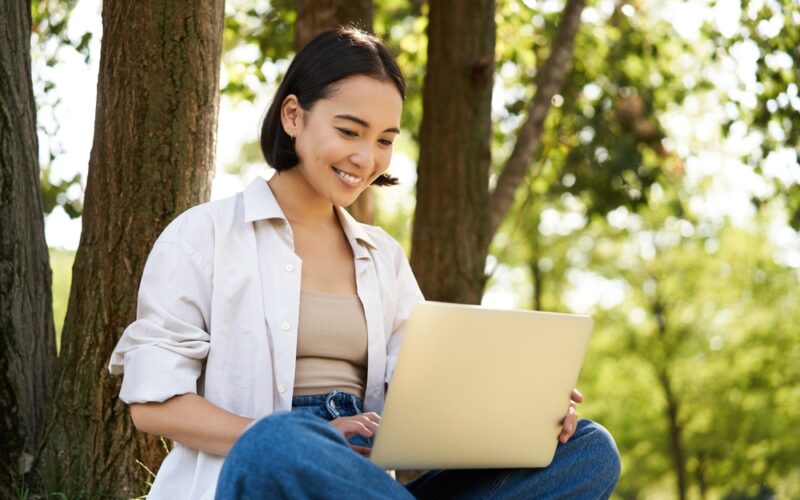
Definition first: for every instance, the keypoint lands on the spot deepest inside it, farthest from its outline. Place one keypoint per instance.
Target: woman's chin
(345, 200)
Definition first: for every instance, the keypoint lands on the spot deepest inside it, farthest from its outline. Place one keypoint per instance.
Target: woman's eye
(386, 142)
(346, 132)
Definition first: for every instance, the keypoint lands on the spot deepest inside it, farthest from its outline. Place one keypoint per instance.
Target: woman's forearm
(191, 421)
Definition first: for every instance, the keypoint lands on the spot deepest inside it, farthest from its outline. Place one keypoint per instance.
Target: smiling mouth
(350, 179)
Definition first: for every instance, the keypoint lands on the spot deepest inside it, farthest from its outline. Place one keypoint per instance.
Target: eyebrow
(364, 124)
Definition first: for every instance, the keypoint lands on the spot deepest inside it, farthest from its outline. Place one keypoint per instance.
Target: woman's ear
(291, 115)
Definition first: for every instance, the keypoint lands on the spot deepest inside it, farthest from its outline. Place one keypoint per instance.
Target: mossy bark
(152, 158)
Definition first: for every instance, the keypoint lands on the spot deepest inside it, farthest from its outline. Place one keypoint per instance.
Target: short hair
(330, 57)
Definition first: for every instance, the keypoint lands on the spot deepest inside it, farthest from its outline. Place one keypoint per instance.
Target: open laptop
(480, 388)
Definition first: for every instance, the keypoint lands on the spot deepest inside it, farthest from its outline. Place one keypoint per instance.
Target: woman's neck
(298, 200)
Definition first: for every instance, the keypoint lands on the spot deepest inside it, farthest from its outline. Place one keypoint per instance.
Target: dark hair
(330, 57)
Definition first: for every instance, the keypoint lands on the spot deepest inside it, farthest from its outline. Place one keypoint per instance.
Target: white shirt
(217, 316)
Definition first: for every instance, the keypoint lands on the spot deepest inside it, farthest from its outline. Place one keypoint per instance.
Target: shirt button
(289, 268)
(286, 326)
(281, 388)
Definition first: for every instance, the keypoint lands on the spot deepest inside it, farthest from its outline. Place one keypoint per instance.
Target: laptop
(480, 388)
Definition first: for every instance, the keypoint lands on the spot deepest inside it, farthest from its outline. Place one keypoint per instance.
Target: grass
(61, 264)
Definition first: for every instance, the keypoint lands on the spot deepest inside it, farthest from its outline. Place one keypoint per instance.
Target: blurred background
(663, 199)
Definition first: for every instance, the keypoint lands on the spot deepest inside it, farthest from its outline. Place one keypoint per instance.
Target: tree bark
(316, 16)
(152, 158)
(549, 81)
(450, 238)
(27, 340)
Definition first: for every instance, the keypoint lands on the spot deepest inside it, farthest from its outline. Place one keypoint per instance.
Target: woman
(276, 300)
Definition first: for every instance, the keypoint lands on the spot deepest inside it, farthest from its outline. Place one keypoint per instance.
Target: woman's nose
(364, 157)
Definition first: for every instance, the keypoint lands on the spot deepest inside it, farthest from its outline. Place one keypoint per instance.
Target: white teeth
(348, 177)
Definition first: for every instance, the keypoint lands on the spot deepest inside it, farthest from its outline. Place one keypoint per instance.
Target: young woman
(269, 323)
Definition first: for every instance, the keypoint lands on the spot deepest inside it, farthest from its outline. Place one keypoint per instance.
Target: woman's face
(344, 142)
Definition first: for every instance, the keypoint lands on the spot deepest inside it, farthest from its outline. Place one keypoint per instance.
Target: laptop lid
(480, 388)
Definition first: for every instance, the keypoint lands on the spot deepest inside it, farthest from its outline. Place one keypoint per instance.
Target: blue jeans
(298, 454)
(331, 406)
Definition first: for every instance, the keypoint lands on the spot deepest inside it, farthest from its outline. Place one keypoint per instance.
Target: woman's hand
(363, 424)
(570, 422)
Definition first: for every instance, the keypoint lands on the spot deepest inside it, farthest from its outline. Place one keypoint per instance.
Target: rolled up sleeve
(161, 354)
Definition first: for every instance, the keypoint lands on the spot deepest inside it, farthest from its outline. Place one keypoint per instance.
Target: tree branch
(549, 81)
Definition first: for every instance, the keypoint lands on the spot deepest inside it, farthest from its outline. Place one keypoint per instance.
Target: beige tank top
(331, 345)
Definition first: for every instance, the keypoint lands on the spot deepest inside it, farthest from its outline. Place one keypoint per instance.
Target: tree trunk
(152, 158)
(27, 340)
(316, 16)
(456, 217)
(677, 453)
(672, 410)
(536, 276)
(451, 232)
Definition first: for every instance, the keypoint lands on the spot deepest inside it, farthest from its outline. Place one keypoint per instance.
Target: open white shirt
(217, 316)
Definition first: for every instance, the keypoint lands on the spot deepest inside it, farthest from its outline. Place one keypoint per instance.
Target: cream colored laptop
(480, 388)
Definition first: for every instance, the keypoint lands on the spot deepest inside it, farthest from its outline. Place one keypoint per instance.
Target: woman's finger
(369, 420)
(360, 428)
(372, 417)
(350, 426)
(569, 425)
(572, 408)
(577, 396)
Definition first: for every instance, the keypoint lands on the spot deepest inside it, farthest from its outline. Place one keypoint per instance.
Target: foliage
(606, 136)
(766, 103)
(256, 35)
(711, 308)
(693, 311)
(61, 193)
(707, 304)
(50, 19)
(603, 145)
(50, 39)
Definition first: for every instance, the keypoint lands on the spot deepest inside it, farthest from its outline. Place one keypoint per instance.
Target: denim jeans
(331, 406)
(298, 454)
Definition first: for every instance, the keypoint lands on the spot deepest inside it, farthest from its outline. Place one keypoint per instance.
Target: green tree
(769, 102)
(50, 40)
(678, 369)
(703, 349)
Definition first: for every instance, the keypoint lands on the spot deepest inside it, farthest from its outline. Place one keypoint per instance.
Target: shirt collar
(260, 203)
(353, 229)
